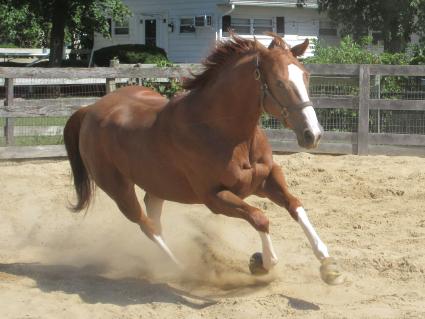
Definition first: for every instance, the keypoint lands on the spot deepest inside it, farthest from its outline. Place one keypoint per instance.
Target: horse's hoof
(330, 273)
(256, 265)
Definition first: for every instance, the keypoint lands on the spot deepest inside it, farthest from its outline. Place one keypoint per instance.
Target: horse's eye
(280, 84)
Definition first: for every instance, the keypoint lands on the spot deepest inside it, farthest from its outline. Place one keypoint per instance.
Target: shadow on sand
(300, 304)
(94, 288)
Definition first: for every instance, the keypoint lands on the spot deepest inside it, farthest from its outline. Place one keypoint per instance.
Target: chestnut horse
(203, 146)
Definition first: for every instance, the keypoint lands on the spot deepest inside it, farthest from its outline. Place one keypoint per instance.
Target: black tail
(82, 182)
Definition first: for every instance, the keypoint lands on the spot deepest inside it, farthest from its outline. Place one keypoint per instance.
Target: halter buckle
(284, 112)
(257, 74)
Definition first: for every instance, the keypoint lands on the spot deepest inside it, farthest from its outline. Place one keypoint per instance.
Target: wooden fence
(361, 142)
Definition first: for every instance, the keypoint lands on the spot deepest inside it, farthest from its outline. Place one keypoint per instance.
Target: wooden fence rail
(361, 142)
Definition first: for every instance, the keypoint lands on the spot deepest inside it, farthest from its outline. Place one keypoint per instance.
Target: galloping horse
(203, 146)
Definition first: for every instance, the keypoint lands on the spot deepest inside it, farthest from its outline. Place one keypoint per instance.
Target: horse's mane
(224, 51)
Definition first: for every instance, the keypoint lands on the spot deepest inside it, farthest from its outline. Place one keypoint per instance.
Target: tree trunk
(57, 35)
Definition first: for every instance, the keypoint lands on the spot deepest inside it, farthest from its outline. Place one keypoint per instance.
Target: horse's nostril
(320, 135)
(308, 137)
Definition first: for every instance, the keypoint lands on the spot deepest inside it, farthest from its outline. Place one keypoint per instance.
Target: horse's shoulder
(260, 147)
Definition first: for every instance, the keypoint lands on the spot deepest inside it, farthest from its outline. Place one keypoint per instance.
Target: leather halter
(265, 91)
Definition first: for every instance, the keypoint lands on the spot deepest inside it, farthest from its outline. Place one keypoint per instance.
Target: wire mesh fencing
(331, 86)
(380, 121)
(30, 93)
(331, 119)
(397, 121)
(29, 131)
(55, 93)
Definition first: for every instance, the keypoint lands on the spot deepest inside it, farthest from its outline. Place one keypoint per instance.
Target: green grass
(37, 121)
(35, 140)
(38, 140)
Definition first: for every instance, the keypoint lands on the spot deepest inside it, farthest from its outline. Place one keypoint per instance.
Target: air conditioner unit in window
(203, 21)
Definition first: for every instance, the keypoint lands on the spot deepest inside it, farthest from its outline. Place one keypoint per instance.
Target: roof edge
(290, 4)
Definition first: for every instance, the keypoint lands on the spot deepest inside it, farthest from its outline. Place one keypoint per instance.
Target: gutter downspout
(230, 10)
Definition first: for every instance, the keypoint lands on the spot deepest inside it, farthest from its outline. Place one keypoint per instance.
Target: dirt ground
(370, 211)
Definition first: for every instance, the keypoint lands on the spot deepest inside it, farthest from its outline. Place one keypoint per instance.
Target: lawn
(29, 138)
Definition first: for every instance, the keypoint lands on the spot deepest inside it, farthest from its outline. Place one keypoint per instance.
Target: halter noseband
(265, 91)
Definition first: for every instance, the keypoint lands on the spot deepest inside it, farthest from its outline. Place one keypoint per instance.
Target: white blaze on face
(296, 76)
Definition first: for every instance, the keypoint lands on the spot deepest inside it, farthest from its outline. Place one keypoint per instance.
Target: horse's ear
(277, 41)
(300, 49)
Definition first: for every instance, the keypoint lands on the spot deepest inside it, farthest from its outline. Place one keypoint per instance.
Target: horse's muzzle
(310, 139)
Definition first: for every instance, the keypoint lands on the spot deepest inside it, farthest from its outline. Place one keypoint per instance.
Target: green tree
(397, 20)
(77, 17)
(20, 27)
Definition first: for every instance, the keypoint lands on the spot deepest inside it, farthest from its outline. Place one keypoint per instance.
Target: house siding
(300, 23)
(182, 48)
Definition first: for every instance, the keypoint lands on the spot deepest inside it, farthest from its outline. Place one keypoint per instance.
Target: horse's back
(128, 108)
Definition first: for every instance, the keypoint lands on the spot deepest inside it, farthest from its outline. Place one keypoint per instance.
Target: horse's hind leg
(124, 195)
(275, 189)
(154, 210)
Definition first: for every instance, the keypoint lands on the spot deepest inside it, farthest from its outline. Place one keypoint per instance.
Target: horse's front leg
(227, 203)
(276, 189)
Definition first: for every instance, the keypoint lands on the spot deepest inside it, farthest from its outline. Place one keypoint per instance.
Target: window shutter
(280, 25)
(226, 23)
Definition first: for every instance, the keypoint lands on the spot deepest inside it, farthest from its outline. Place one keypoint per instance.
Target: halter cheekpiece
(265, 91)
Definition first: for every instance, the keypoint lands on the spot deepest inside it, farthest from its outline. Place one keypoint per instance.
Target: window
(187, 25)
(203, 21)
(241, 26)
(247, 26)
(199, 21)
(209, 20)
(262, 25)
(280, 25)
(226, 23)
(122, 28)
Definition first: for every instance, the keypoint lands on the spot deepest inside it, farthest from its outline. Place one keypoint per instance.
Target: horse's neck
(231, 105)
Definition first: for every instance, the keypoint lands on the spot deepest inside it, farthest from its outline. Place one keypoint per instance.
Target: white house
(187, 29)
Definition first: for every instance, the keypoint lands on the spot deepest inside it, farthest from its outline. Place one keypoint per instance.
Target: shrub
(418, 54)
(130, 54)
(348, 52)
(168, 89)
(351, 52)
(8, 45)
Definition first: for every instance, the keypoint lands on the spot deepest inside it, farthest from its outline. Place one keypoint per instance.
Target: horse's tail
(82, 182)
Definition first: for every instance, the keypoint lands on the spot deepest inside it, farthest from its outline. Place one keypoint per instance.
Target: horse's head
(284, 83)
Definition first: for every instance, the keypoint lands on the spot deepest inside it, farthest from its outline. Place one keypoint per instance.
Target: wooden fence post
(10, 122)
(110, 85)
(110, 82)
(363, 121)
